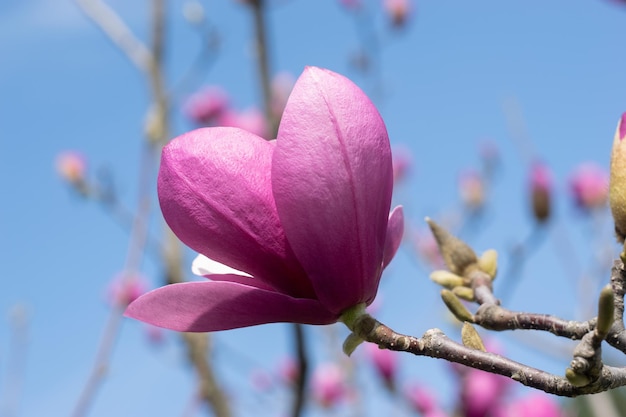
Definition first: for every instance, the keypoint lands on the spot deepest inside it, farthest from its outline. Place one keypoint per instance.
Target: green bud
(576, 379)
(447, 279)
(606, 311)
(471, 338)
(465, 293)
(488, 263)
(456, 307)
(456, 254)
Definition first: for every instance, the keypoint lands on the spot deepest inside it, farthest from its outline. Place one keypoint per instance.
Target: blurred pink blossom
(351, 4)
(472, 189)
(124, 289)
(251, 120)
(426, 247)
(385, 363)
(261, 380)
(288, 370)
(207, 105)
(329, 385)
(482, 391)
(589, 186)
(282, 84)
(71, 165)
(421, 399)
(402, 161)
(398, 11)
(536, 404)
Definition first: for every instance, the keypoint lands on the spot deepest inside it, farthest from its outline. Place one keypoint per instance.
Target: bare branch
(117, 31)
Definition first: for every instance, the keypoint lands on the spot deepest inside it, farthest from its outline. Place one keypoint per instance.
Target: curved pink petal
(220, 305)
(395, 231)
(332, 180)
(215, 193)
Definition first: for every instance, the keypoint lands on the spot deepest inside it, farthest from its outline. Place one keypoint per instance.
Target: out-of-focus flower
(421, 399)
(398, 11)
(472, 189)
(402, 162)
(427, 248)
(282, 84)
(385, 362)
(617, 192)
(207, 106)
(288, 370)
(351, 4)
(589, 185)
(306, 216)
(537, 404)
(71, 166)
(328, 385)
(482, 391)
(125, 289)
(155, 334)
(250, 120)
(261, 380)
(540, 191)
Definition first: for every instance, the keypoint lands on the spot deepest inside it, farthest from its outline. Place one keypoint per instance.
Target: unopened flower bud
(71, 166)
(446, 279)
(465, 293)
(472, 190)
(398, 11)
(541, 189)
(576, 379)
(589, 186)
(617, 191)
(471, 338)
(606, 311)
(456, 307)
(488, 263)
(456, 254)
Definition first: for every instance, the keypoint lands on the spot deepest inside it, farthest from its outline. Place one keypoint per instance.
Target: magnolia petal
(219, 305)
(395, 231)
(332, 181)
(203, 266)
(215, 193)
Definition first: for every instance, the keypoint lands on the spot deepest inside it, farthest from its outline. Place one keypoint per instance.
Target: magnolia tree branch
(117, 31)
(470, 277)
(149, 60)
(436, 344)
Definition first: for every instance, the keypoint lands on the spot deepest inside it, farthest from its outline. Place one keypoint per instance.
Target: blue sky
(444, 86)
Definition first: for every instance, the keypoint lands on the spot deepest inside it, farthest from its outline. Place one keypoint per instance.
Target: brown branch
(434, 343)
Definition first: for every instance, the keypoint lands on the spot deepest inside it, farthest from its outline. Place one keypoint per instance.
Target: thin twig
(117, 31)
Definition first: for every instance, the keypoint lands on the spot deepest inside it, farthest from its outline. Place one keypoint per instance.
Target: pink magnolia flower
(589, 185)
(328, 385)
(306, 216)
(207, 105)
